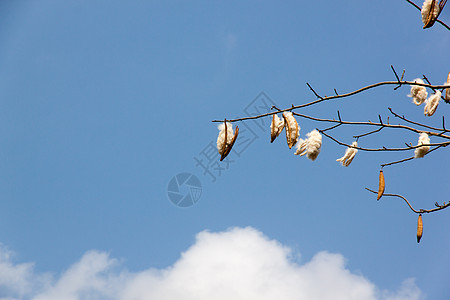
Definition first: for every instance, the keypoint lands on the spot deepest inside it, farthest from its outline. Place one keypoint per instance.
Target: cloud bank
(240, 263)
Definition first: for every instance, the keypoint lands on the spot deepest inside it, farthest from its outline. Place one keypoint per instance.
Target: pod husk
(273, 134)
(430, 18)
(227, 147)
(290, 141)
(419, 228)
(381, 185)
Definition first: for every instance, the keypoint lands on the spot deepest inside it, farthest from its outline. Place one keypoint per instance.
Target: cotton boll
(418, 93)
(421, 151)
(350, 153)
(314, 144)
(432, 103)
(311, 146)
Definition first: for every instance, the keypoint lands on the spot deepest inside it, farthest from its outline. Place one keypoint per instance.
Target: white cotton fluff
(350, 153)
(301, 147)
(276, 127)
(221, 138)
(421, 151)
(418, 93)
(426, 8)
(432, 103)
(294, 128)
(311, 146)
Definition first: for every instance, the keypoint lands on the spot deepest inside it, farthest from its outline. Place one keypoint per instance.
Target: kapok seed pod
(292, 129)
(229, 146)
(381, 185)
(273, 130)
(294, 139)
(419, 228)
(288, 131)
(430, 18)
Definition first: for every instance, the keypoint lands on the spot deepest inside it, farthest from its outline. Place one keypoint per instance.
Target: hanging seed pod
(381, 185)
(292, 129)
(228, 146)
(430, 12)
(276, 127)
(432, 103)
(226, 139)
(419, 228)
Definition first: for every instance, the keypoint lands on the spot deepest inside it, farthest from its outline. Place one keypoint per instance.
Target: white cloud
(18, 280)
(240, 263)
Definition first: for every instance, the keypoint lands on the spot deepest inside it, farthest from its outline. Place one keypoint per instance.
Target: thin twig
(431, 133)
(420, 211)
(368, 133)
(396, 76)
(317, 95)
(416, 123)
(443, 144)
(339, 96)
(409, 158)
(397, 162)
(332, 127)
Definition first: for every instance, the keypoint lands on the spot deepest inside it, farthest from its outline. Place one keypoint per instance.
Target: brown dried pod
(273, 135)
(431, 17)
(292, 129)
(381, 185)
(276, 127)
(419, 228)
(228, 146)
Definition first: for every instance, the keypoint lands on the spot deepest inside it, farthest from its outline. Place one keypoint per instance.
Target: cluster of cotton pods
(309, 146)
(419, 95)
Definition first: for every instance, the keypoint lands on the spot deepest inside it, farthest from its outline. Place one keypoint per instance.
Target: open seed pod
(419, 228)
(432, 103)
(381, 185)
(226, 139)
(292, 129)
(430, 12)
(276, 127)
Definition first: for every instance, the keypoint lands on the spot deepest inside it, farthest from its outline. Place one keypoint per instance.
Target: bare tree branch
(321, 99)
(369, 133)
(419, 124)
(340, 122)
(420, 211)
(443, 144)
(409, 158)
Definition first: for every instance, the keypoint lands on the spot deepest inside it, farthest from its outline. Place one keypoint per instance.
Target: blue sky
(103, 102)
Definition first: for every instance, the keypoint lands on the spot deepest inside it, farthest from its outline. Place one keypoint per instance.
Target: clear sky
(102, 103)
